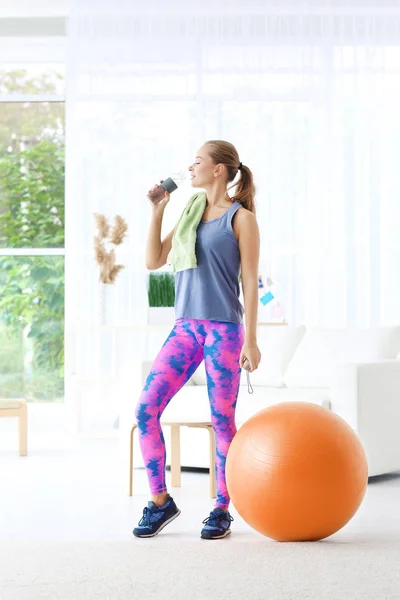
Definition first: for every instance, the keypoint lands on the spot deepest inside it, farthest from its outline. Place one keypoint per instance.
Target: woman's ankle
(160, 499)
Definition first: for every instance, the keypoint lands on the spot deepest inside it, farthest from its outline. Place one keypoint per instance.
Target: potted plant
(161, 298)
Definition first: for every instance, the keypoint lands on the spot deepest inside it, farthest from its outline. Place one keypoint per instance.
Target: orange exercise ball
(296, 472)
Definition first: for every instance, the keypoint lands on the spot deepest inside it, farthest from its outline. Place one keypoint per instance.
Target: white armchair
(367, 396)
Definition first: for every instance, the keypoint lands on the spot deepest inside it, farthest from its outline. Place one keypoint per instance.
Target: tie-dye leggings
(190, 341)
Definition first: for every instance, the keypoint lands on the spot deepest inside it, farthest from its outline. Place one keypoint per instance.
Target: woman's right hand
(158, 197)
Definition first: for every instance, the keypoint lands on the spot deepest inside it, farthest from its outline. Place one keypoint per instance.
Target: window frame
(31, 51)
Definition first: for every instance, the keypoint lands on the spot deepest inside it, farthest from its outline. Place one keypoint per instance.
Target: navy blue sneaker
(156, 518)
(217, 525)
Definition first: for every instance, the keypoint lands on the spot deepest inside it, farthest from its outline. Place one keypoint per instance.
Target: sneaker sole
(218, 537)
(160, 528)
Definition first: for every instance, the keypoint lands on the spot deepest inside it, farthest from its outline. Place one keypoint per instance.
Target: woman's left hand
(253, 355)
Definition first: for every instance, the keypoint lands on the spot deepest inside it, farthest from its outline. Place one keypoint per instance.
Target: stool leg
(175, 456)
(213, 483)
(23, 430)
(131, 459)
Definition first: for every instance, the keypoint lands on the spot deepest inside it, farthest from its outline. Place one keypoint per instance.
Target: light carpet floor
(66, 521)
(169, 567)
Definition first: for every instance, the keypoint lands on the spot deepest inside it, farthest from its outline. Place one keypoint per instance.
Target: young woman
(208, 325)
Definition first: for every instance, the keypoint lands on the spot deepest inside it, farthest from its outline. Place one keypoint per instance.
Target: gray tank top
(211, 290)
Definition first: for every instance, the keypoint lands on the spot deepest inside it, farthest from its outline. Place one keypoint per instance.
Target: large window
(32, 231)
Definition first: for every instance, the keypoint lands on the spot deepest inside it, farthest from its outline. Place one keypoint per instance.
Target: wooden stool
(176, 453)
(17, 408)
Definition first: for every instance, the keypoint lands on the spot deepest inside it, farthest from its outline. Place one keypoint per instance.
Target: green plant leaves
(161, 289)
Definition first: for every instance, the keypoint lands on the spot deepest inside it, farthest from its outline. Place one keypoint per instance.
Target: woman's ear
(219, 170)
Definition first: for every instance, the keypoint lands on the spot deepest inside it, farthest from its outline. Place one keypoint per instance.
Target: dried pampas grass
(106, 259)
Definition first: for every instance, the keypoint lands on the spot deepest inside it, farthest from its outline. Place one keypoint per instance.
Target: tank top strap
(232, 210)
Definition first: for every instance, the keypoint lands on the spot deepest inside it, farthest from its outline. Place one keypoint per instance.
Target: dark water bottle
(168, 185)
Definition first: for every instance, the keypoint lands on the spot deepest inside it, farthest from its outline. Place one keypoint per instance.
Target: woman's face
(202, 170)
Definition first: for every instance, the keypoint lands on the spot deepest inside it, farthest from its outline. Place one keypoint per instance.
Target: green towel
(182, 254)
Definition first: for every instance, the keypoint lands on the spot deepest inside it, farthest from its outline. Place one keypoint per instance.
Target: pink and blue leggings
(190, 342)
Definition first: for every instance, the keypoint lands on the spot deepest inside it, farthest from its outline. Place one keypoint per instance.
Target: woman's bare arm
(157, 250)
(248, 235)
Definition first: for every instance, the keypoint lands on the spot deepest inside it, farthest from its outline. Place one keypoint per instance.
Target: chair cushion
(277, 345)
(263, 397)
(191, 404)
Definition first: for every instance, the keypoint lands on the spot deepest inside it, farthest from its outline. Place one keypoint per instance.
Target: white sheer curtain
(309, 94)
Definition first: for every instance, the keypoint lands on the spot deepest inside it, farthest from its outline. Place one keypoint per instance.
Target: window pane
(33, 79)
(32, 328)
(31, 174)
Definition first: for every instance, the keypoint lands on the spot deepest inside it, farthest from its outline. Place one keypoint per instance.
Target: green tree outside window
(31, 216)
